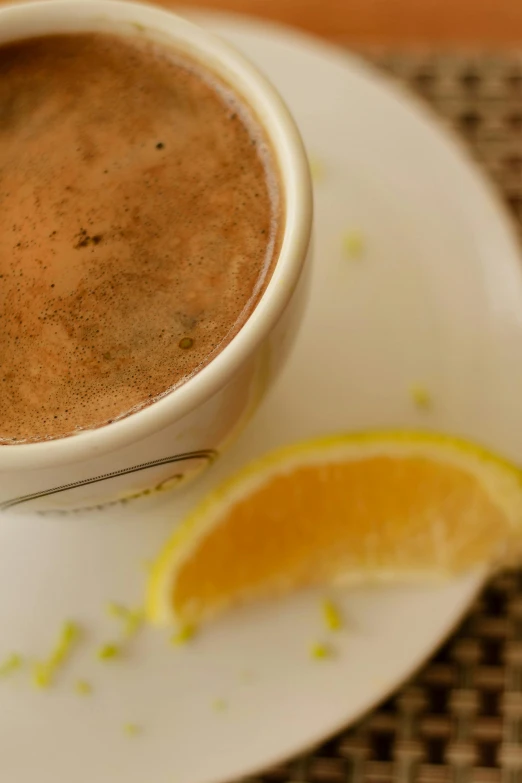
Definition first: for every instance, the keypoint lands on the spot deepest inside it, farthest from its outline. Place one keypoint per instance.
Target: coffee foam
(139, 223)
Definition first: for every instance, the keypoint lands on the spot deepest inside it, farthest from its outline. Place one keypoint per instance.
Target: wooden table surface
(400, 22)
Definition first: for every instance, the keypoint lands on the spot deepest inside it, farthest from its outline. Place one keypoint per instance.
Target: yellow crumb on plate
(353, 244)
(331, 615)
(83, 688)
(10, 664)
(219, 705)
(421, 397)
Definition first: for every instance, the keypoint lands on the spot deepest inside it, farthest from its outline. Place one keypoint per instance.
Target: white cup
(157, 447)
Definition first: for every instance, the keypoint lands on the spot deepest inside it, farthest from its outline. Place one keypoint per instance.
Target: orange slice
(379, 506)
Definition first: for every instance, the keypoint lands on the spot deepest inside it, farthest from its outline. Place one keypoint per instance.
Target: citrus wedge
(376, 506)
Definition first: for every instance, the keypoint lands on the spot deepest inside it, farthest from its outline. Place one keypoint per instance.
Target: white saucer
(435, 300)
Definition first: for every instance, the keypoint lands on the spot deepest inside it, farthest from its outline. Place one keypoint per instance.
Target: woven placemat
(460, 719)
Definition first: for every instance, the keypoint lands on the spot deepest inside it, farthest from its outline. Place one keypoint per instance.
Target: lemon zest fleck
(219, 705)
(131, 618)
(108, 651)
(184, 635)
(320, 651)
(68, 635)
(421, 397)
(317, 168)
(83, 688)
(42, 675)
(132, 729)
(353, 244)
(44, 671)
(134, 621)
(332, 616)
(10, 664)
(116, 610)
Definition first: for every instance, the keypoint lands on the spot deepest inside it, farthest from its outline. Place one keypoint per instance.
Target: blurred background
(383, 22)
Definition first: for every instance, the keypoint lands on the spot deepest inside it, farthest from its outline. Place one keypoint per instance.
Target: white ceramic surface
(435, 300)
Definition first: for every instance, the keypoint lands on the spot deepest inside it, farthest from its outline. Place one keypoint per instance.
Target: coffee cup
(162, 445)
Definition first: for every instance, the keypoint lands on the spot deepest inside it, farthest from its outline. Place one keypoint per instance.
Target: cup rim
(296, 191)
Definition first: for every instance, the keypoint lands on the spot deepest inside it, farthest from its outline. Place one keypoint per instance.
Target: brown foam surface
(138, 222)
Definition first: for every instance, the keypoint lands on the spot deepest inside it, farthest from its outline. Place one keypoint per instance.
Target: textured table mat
(460, 719)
